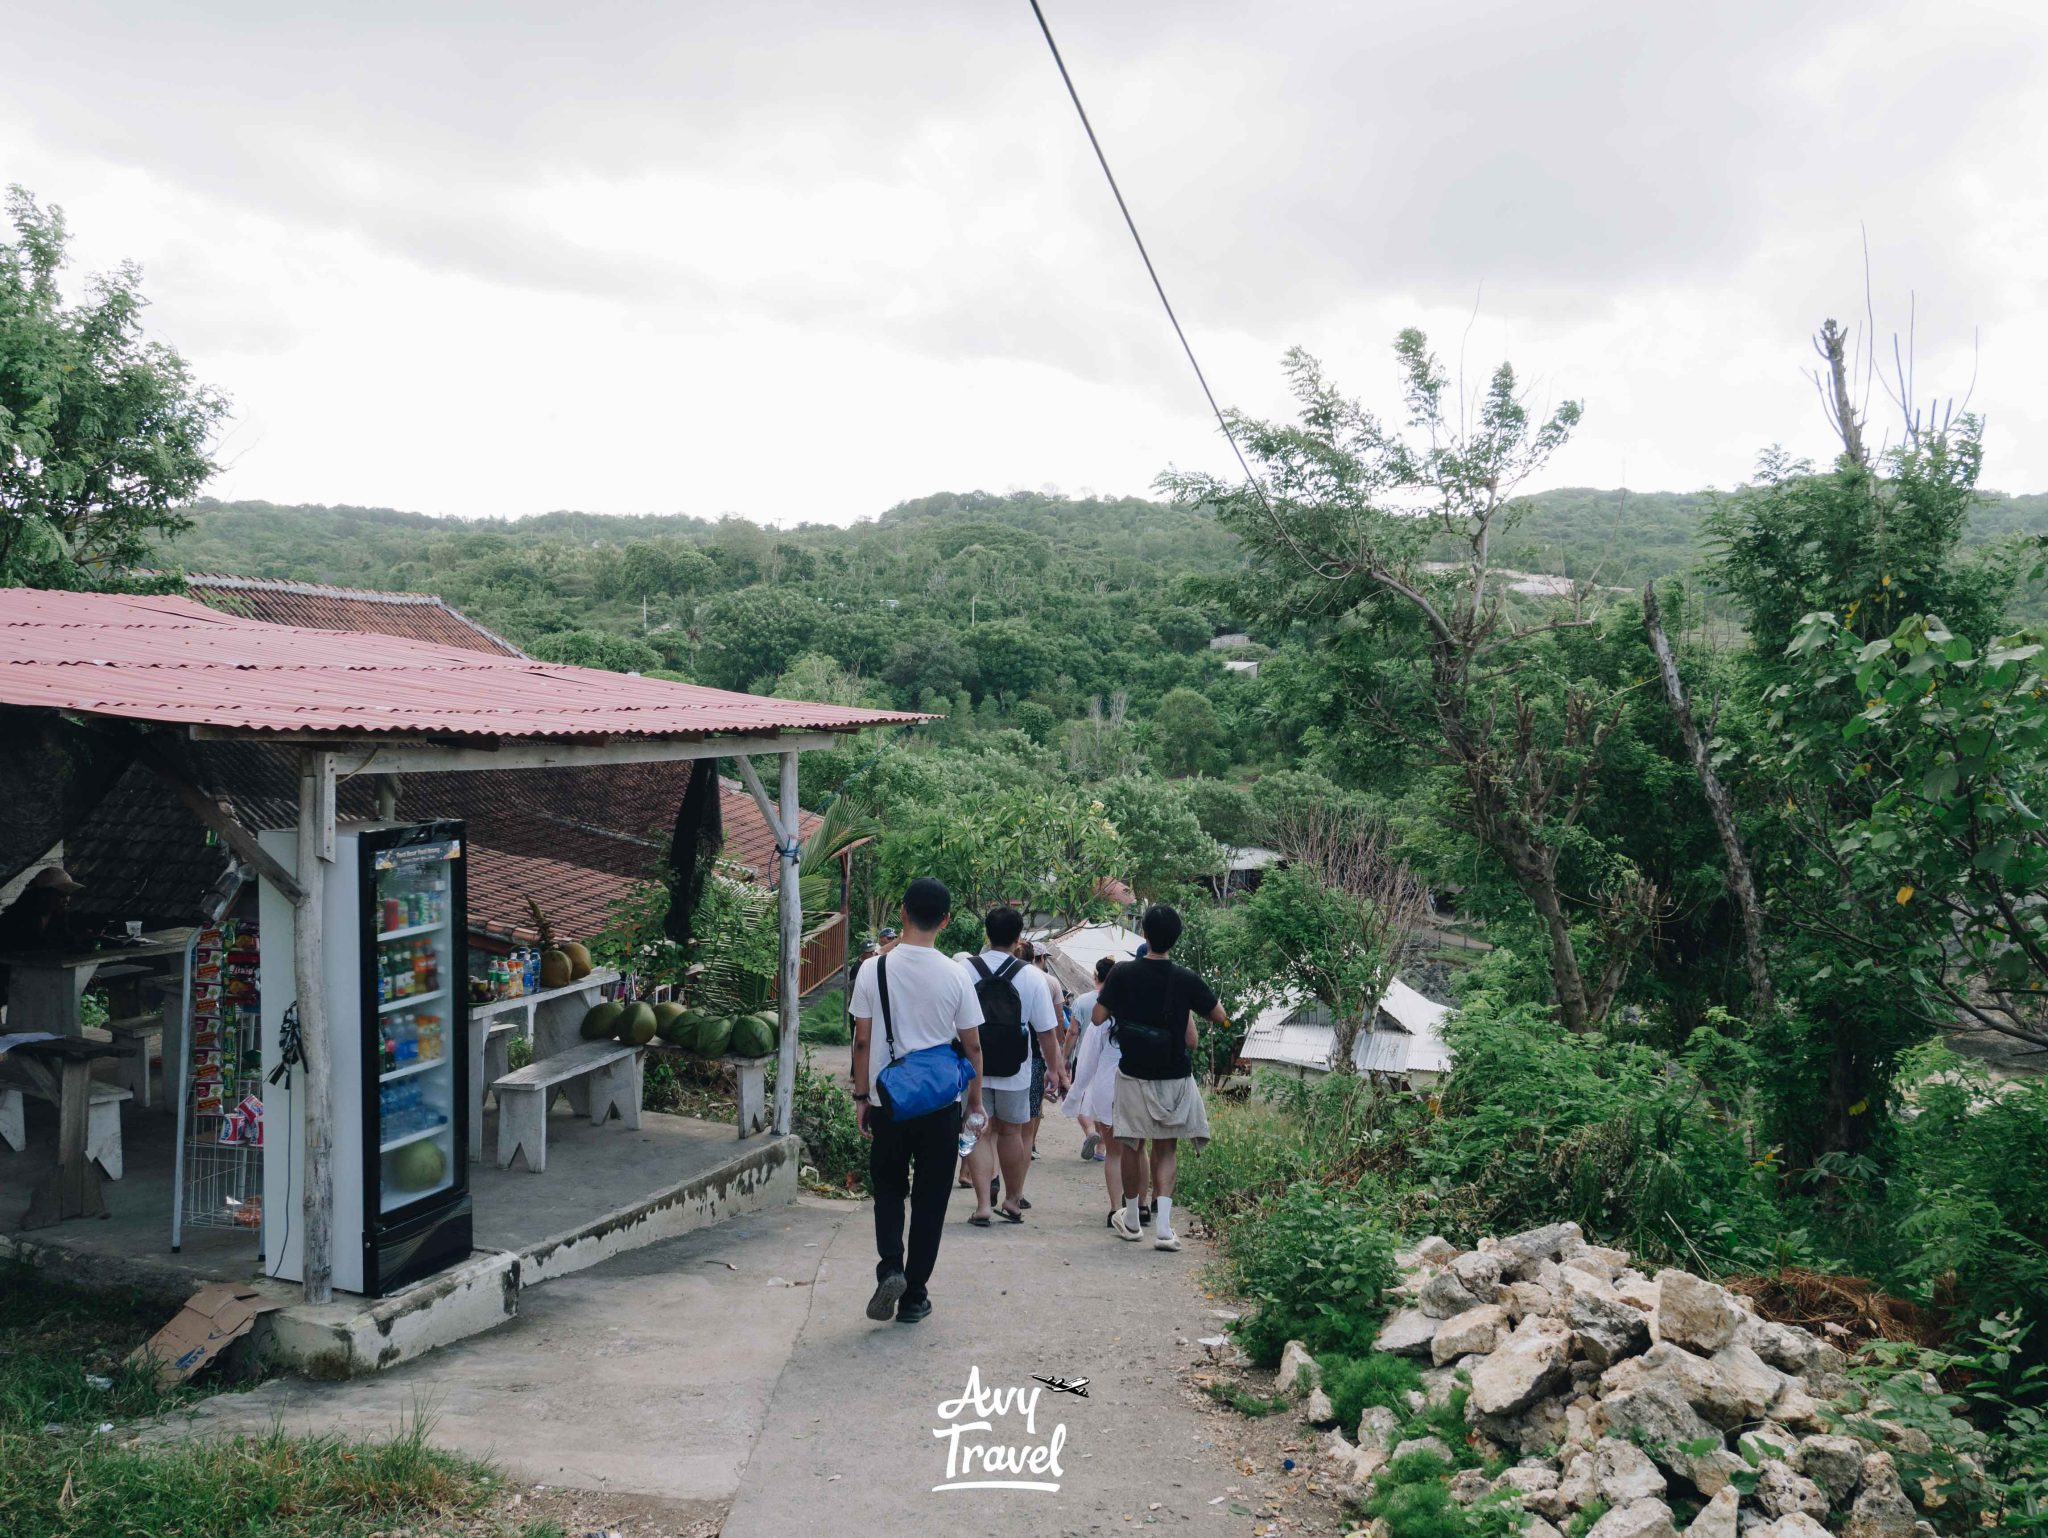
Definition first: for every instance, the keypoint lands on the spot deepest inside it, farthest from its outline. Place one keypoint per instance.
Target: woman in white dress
(1091, 1099)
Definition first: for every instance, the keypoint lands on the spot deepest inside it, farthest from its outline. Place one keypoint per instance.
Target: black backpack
(1148, 1051)
(1004, 1041)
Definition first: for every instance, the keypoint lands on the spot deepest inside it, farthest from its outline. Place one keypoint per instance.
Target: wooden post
(792, 945)
(309, 976)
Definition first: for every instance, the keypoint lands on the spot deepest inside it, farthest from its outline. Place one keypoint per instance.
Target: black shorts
(1037, 1087)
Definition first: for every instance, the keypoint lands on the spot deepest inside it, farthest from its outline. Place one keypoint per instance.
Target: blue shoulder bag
(920, 1082)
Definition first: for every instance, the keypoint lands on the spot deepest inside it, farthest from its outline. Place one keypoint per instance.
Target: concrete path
(735, 1369)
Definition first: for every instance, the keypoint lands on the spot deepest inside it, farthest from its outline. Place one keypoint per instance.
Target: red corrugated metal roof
(322, 606)
(174, 660)
(576, 902)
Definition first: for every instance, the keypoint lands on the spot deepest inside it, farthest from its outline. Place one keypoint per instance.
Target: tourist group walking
(954, 1058)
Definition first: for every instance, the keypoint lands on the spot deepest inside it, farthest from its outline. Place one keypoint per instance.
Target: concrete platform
(606, 1190)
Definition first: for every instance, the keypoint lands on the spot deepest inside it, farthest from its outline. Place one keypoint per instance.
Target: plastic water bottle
(970, 1132)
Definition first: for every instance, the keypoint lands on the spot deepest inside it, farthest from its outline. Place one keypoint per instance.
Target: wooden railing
(824, 953)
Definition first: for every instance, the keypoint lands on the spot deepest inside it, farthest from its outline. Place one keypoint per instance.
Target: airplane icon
(1063, 1385)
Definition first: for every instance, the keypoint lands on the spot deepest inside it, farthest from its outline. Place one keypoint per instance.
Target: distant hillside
(1617, 537)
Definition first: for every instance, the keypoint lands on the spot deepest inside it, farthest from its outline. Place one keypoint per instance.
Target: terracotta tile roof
(174, 660)
(576, 899)
(318, 606)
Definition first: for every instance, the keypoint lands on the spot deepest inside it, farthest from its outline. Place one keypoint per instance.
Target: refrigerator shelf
(413, 1137)
(410, 930)
(411, 1000)
(410, 1069)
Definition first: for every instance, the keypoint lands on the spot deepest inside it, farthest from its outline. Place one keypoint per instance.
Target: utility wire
(1157, 287)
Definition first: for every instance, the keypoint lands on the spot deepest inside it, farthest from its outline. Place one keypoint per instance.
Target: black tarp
(693, 847)
(52, 775)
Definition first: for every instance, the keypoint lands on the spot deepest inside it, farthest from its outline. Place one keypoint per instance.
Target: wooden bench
(524, 1095)
(102, 1122)
(146, 1034)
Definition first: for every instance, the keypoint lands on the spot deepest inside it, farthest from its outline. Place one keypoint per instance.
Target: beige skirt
(1152, 1108)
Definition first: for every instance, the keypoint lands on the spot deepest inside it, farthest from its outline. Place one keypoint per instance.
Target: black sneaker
(887, 1291)
(913, 1310)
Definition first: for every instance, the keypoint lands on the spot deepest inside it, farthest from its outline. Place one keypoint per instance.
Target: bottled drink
(970, 1132)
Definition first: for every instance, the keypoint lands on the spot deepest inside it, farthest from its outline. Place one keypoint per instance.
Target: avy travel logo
(993, 1440)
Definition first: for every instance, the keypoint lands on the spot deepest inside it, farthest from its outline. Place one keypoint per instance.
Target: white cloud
(803, 260)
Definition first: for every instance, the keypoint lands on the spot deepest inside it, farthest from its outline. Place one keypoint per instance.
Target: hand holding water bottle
(971, 1129)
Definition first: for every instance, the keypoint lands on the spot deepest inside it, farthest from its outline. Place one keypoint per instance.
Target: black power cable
(1157, 287)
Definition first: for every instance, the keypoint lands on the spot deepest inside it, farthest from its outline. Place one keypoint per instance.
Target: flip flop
(978, 1221)
(1023, 1204)
(1089, 1144)
(1008, 1216)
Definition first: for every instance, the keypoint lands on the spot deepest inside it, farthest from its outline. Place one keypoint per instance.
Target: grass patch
(823, 1022)
(62, 1477)
(1355, 1384)
(1243, 1400)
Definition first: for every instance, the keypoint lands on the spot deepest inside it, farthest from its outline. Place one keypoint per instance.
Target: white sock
(1130, 1212)
(1162, 1215)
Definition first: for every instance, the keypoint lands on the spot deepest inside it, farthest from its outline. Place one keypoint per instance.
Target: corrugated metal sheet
(174, 660)
(322, 606)
(1287, 1034)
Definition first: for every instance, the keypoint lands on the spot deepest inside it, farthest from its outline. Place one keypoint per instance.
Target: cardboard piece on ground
(211, 1318)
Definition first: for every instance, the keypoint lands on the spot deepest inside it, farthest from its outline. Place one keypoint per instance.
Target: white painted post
(791, 957)
(315, 844)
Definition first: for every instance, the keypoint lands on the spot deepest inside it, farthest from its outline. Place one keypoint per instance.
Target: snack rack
(220, 1111)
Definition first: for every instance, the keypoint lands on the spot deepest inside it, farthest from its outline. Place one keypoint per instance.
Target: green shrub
(1636, 1145)
(1354, 1384)
(1315, 1267)
(823, 1021)
(822, 1114)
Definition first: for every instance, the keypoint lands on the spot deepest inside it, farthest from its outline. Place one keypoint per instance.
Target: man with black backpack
(1016, 1007)
(1154, 1002)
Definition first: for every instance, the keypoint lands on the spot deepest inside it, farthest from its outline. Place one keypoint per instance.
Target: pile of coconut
(1618, 1390)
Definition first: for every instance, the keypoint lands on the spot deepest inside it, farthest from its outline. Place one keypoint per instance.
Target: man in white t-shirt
(929, 1003)
(1017, 1020)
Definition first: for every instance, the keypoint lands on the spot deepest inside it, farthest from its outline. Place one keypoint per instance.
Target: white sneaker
(1116, 1221)
(1166, 1241)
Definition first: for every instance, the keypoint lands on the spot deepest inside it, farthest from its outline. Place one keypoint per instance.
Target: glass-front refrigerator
(415, 1103)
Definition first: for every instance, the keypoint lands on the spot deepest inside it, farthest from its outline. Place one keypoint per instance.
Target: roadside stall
(322, 1024)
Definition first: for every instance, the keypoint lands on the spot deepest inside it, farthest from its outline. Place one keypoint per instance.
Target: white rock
(1752, 1384)
(1780, 1491)
(1407, 1332)
(1656, 1413)
(1623, 1472)
(1640, 1519)
(1797, 1525)
(1786, 1347)
(1545, 1243)
(1434, 1446)
(1881, 1509)
(1526, 1298)
(1319, 1411)
(1467, 1282)
(1521, 1370)
(1605, 1330)
(1220, 1348)
(1298, 1371)
(1467, 1485)
(1376, 1427)
(1574, 1277)
(1436, 1250)
(1835, 1463)
(1477, 1329)
(1575, 1484)
(1533, 1486)
(1536, 1527)
(1695, 1313)
(1633, 1287)
(1717, 1519)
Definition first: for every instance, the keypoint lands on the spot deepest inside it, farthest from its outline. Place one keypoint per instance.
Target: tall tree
(1336, 532)
(103, 433)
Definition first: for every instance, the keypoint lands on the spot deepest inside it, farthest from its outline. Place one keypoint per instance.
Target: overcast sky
(806, 258)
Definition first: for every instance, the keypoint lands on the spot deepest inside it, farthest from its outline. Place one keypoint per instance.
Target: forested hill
(1618, 537)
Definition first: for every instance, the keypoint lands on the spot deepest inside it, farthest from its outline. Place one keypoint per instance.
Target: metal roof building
(1406, 1039)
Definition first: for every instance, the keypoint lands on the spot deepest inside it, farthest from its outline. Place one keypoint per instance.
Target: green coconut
(713, 1037)
(603, 1020)
(637, 1025)
(751, 1037)
(418, 1166)
(666, 1017)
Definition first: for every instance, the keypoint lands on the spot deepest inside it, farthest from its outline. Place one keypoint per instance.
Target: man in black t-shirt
(1154, 1002)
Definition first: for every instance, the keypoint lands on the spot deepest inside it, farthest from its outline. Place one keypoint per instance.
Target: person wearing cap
(39, 919)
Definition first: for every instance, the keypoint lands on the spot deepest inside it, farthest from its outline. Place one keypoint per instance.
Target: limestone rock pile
(1619, 1391)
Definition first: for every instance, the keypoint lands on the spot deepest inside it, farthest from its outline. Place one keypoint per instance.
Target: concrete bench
(750, 1089)
(524, 1095)
(102, 1123)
